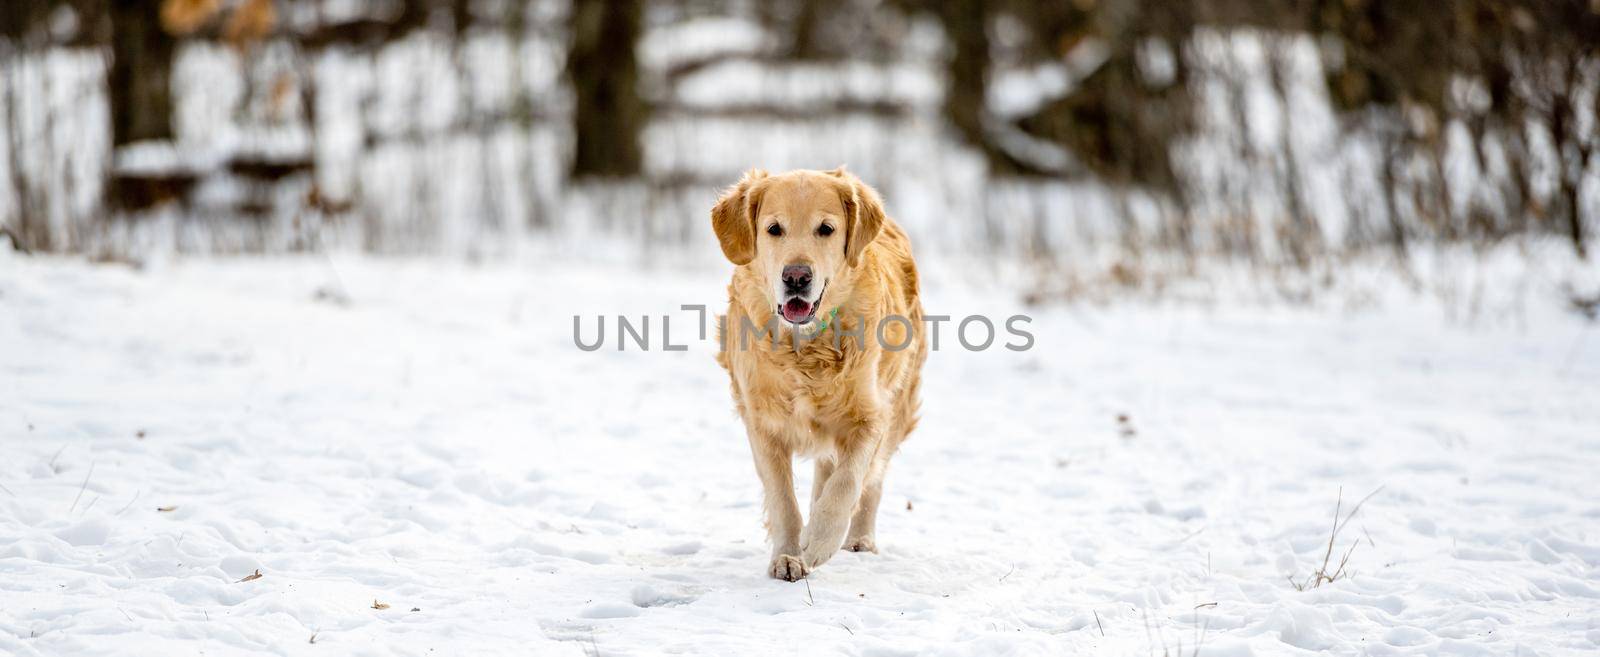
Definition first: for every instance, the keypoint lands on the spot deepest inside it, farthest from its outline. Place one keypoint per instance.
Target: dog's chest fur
(801, 396)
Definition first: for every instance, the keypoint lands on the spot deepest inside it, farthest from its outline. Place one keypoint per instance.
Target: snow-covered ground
(438, 445)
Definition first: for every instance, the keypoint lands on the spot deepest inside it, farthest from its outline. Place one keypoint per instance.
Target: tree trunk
(966, 22)
(1389, 182)
(141, 73)
(18, 18)
(1572, 158)
(604, 72)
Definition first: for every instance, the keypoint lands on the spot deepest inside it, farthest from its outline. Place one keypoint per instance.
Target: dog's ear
(863, 214)
(733, 219)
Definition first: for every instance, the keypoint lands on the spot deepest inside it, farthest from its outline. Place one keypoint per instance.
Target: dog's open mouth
(797, 310)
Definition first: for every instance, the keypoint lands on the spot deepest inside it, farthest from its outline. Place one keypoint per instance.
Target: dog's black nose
(796, 278)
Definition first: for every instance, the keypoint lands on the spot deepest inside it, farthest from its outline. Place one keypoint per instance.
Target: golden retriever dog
(826, 284)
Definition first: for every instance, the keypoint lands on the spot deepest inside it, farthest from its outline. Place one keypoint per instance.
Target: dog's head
(798, 231)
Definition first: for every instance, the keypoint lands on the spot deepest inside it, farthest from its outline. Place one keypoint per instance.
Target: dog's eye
(825, 230)
(775, 230)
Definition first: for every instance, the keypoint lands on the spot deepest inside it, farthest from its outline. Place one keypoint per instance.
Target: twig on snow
(81, 488)
(130, 502)
(1200, 637)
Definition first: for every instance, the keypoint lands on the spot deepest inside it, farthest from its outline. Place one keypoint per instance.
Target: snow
(809, 87)
(439, 445)
(703, 38)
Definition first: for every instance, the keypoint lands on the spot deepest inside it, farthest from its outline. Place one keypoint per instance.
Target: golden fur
(842, 397)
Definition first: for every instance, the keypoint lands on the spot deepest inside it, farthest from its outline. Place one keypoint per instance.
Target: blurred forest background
(1280, 132)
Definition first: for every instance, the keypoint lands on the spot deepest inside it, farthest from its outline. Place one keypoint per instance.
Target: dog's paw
(788, 568)
(814, 555)
(861, 544)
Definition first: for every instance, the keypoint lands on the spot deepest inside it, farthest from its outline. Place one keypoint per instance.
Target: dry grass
(82, 488)
(1323, 575)
(1152, 635)
(1585, 304)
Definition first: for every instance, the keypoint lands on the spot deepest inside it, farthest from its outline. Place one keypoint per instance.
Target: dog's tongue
(796, 309)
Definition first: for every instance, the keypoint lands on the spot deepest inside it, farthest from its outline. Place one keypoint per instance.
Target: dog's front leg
(773, 464)
(831, 512)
